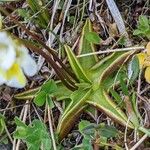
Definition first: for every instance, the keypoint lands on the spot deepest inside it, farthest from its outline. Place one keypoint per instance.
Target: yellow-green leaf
(86, 46)
(92, 37)
(75, 65)
(72, 112)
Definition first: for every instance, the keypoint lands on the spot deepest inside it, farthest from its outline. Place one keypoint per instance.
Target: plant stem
(51, 128)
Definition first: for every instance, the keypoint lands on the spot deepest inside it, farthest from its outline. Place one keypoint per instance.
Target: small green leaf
(49, 87)
(143, 28)
(22, 132)
(143, 21)
(93, 37)
(108, 131)
(86, 128)
(40, 99)
(19, 122)
(35, 135)
(83, 124)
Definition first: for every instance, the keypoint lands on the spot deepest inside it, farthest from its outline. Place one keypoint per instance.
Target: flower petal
(148, 48)
(29, 66)
(147, 74)
(27, 63)
(15, 77)
(141, 58)
(14, 82)
(7, 51)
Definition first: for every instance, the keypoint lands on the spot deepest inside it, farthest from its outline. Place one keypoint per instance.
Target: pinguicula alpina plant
(15, 62)
(95, 79)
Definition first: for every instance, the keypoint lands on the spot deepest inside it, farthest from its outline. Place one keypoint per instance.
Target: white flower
(26, 61)
(14, 62)
(7, 51)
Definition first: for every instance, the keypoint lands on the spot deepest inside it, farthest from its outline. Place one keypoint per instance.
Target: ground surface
(66, 20)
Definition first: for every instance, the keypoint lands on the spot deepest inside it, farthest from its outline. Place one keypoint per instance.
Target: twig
(37, 112)
(8, 134)
(112, 50)
(144, 90)
(125, 134)
(118, 19)
(67, 5)
(139, 142)
(51, 128)
(6, 109)
(55, 7)
(83, 8)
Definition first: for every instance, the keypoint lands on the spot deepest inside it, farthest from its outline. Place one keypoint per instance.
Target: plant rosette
(144, 62)
(15, 62)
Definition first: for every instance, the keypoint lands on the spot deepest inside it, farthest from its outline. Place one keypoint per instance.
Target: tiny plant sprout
(144, 62)
(15, 62)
